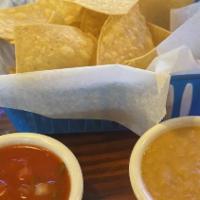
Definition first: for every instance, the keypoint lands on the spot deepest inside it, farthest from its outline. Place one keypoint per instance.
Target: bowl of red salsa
(38, 167)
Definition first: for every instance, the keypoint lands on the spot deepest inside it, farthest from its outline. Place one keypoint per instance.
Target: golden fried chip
(142, 61)
(30, 13)
(48, 46)
(158, 11)
(123, 38)
(65, 13)
(92, 22)
(158, 34)
(12, 70)
(11, 42)
(110, 7)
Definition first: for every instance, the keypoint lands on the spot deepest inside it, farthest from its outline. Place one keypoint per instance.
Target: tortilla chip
(46, 46)
(158, 34)
(12, 70)
(92, 22)
(123, 38)
(158, 11)
(110, 7)
(11, 42)
(26, 14)
(142, 61)
(65, 13)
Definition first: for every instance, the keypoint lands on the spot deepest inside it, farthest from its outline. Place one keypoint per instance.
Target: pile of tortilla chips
(52, 34)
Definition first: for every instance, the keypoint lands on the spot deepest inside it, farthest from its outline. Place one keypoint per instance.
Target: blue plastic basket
(186, 86)
(30, 122)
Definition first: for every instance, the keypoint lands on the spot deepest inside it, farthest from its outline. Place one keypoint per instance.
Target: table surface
(104, 159)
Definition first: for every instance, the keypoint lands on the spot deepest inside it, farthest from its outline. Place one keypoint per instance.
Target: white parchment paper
(180, 52)
(177, 61)
(180, 15)
(187, 34)
(133, 97)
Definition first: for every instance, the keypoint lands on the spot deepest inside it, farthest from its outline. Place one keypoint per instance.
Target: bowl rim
(147, 138)
(56, 147)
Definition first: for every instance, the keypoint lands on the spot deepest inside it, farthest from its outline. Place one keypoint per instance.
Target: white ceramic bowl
(76, 178)
(138, 151)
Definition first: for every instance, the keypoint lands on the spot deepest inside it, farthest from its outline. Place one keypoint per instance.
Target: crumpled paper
(132, 97)
(135, 98)
(180, 52)
(180, 15)
(187, 34)
(176, 62)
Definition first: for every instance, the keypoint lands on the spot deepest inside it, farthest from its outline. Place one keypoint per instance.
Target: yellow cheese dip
(171, 165)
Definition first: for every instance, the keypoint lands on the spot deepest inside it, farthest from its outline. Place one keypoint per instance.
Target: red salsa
(32, 173)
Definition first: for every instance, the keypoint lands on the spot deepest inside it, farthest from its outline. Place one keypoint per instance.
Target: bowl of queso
(38, 167)
(165, 162)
